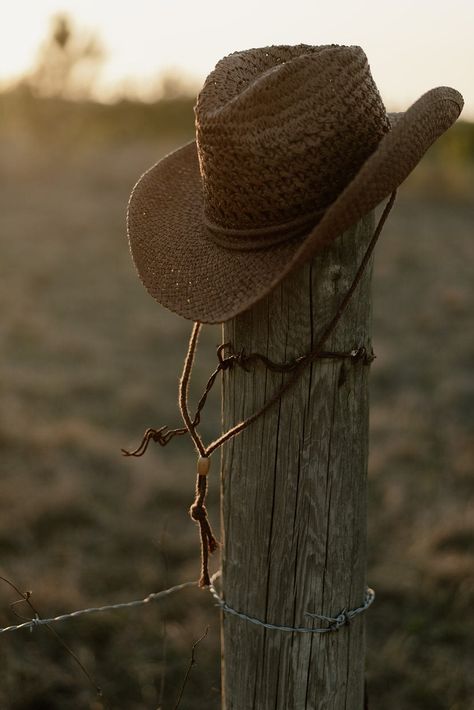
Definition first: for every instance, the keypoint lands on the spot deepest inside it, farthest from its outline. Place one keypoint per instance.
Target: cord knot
(198, 512)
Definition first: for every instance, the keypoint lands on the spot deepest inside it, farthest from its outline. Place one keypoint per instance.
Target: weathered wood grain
(293, 489)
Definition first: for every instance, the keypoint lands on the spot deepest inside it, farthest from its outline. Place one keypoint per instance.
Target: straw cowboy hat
(293, 146)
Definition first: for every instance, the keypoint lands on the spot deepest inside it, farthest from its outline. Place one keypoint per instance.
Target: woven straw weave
(293, 146)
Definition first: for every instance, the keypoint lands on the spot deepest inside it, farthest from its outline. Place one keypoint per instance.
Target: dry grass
(88, 360)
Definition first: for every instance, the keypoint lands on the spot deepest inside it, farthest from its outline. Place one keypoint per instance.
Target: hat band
(262, 237)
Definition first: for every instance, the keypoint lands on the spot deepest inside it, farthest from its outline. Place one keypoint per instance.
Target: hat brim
(185, 271)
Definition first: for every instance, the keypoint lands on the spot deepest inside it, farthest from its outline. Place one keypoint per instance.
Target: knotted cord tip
(213, 544)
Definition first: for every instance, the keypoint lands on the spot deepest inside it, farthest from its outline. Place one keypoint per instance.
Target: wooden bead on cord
(203, 465)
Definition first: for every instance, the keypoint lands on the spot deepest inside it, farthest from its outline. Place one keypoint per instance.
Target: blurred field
(88, 360)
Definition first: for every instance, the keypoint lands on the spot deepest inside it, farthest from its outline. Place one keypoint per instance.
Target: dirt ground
(88, 361)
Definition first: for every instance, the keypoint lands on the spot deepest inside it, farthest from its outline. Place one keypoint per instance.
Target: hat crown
(282, 130)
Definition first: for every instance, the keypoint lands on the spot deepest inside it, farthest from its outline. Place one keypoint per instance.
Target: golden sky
(411, 45)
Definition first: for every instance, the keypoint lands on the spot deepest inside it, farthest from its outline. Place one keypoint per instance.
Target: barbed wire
(334, 623)
(37, 621)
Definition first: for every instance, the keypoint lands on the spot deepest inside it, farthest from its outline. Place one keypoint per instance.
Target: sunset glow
(411, 46)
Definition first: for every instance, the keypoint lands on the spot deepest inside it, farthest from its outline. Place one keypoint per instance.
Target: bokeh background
(91, 95)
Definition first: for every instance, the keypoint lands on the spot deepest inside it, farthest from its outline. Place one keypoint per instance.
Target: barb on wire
(161, 436)
(37, 621)
(345, 616)
(164, 435)
(333, 623)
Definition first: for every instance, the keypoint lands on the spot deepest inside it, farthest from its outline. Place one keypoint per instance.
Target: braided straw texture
(285, 137)
(280, 134)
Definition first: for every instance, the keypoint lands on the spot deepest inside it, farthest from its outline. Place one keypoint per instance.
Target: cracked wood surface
(293, 494)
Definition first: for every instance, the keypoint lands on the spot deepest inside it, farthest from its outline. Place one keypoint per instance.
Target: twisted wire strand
(37, 621)
(334, 622)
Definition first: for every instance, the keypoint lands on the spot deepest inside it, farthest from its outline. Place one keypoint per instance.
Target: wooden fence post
(294, 493)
